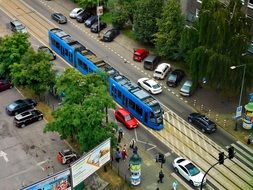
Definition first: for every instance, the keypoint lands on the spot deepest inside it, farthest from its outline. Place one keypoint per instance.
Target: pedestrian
(132, 143)
(174, 185)
(118, 155)
(135, 149)
(249, 139)
(157, 188)
(120, 135)
(124, 153)
(161, 176)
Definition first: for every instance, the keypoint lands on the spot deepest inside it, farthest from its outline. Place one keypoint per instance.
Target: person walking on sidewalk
(161, 176)
(124, 153)
(120, 135)
(118, 155)
(132, 143)
(135, 149)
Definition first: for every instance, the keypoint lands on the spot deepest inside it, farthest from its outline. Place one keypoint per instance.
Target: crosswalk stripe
(244, 146)
(245, 154)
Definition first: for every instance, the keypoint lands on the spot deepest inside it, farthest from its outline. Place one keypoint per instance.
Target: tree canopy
(170, 26)
(12, 49)
(81, 115)
(145, 18)
(218, 40)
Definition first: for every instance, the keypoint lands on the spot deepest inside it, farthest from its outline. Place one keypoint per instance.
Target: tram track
(177, 134)
(186, 141)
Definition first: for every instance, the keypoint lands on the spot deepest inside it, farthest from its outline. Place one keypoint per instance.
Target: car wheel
(176, 170)
(40, 118)
(203, 130)
(68, 161)
(23, 125)
(190, 120)
(191, 182)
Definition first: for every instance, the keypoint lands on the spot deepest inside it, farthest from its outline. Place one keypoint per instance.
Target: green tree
(34, 71)
(170, 26)
(223, 36)
(81, 116)
(145, 19)
(12, 49)
(122, 12)
(90, 3)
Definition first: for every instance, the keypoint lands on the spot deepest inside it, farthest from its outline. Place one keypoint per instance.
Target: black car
(28, 117)
(110, 35)
(84, 15)
(19, 106)
(202, 122)
(47, 50)
(94, 27)
(90, 21)
(58, 17)
(175, 77)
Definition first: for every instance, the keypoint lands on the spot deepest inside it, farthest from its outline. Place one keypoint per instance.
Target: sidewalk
(149, 171)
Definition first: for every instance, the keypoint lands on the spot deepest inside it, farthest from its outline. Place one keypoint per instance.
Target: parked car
(124, 116)
(20, 105)
(28, 117)
(150, 85)
(59, 17)
(175, 77)
(67, 156)
(162, 70)
(48, 51)
(189, 171)
(75, 12)
(82, 16)
(140, 54)
(202, 122)
(151, 62)
(110, 35)
(90, 21)
(17, 26)
(186, 89)
(5, 84)
(95, 29)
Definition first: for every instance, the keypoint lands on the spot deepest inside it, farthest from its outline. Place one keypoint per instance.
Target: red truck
(140, 54)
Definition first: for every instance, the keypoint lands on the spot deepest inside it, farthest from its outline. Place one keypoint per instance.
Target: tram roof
(135, 90)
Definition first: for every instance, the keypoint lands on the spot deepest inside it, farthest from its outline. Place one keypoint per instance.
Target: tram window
(119, 94)
(66, 52)
(152, 115)
(81, 64)
(138, 110)
(57, 45)
(131, 104)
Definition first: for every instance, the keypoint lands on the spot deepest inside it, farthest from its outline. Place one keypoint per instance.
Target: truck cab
(140, 54)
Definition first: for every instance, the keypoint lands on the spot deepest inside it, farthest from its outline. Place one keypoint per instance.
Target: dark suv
(58, 17)
(84, 15)
(19, 106)
(202, 122)
(27, 117)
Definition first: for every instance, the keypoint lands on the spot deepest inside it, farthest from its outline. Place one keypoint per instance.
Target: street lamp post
(98, 20)
(243, 76)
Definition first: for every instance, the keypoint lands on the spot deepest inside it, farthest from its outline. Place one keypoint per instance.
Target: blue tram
(126, 93)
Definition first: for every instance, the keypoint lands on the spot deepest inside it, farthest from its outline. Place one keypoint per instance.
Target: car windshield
(20, 27)
(12, 106)
(128, 117)
(107, 34)
(172, 77)
(156, 86)
(192, 169)
(186, 88)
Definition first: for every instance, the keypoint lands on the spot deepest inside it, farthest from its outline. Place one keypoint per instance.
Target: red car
(123, 116)
(140, 54)
(5, 84)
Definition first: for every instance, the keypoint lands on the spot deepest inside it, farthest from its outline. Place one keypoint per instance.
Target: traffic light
(231, 152)
(221, 157)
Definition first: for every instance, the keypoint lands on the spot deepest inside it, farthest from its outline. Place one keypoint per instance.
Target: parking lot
(26, 154)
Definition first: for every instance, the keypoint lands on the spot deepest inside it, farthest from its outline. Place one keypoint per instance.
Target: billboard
(59, 181)
(90, 162)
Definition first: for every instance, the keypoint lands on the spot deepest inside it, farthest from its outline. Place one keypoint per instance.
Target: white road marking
(4, 155)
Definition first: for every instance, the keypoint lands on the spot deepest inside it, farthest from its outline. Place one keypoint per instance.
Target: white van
(162, 70)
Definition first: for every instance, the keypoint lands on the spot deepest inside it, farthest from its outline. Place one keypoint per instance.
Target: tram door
(145, 117)
(124, 101)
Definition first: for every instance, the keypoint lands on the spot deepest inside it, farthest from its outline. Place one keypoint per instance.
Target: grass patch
(129, 33)
(107, 17)
(42, 106)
